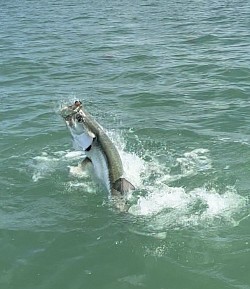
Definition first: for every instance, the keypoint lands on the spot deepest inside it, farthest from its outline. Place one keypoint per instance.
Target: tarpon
(89, 136)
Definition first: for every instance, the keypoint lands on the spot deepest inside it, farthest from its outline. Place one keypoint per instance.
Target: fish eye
(79, 118)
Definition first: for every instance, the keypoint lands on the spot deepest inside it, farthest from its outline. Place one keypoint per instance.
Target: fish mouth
(74, 118)
(67, 112)
(73, 114)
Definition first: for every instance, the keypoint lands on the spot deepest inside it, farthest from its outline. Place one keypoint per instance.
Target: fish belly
(100, 166)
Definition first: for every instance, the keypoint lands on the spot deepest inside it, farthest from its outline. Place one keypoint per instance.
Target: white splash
(162, 205)
(133, 167)
(47, 163)
(43, 165)
(168, 207)
(194, 161)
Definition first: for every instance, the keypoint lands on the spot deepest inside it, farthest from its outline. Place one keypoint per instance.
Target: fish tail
(123, 186)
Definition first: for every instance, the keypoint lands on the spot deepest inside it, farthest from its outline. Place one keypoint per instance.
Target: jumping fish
(101, 153)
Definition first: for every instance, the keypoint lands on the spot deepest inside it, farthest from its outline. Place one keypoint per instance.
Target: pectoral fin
(86, 162)
(123, 186)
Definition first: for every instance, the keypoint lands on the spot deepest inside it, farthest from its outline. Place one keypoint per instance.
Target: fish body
(89, 136)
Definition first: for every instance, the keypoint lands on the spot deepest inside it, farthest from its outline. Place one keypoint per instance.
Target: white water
(163, 205)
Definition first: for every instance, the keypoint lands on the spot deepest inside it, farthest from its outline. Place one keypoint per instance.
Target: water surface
(169, 81)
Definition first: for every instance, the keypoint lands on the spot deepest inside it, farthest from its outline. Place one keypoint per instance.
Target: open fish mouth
(72, 113)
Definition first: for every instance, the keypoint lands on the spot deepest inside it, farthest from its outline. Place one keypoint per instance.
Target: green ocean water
(170, 83)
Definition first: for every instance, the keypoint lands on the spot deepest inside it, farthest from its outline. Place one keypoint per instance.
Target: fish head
(74, 117)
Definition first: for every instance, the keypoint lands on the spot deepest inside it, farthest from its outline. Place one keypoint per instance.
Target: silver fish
(89, 136)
